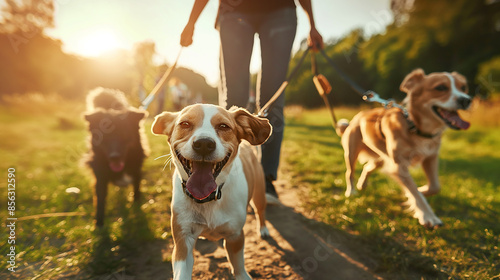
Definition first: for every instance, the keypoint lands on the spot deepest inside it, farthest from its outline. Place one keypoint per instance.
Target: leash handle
(145, 103)
(320, 81)
(322, 85)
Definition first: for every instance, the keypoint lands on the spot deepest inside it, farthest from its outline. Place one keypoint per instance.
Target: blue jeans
(276, 32)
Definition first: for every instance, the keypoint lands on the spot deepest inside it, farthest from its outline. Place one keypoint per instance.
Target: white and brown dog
(217, 175)
(390, 139)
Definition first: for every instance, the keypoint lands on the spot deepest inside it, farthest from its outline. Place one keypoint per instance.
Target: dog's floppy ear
(93, 117)
(411, 80)
(461, 78)
(164, 123)
(136, 115)
(251, 128)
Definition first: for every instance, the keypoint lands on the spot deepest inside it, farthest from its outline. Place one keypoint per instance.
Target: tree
(400, 10)
(27, 16)
(448, 35)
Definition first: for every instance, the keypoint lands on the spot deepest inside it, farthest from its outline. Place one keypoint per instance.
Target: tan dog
(389, 139)
(216, 176)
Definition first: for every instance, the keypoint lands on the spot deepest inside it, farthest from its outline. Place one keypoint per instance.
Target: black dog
(117, 144)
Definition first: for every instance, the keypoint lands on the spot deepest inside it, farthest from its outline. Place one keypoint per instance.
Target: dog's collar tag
(215, 195)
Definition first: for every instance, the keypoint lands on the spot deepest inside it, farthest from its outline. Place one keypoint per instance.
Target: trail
(298, 249)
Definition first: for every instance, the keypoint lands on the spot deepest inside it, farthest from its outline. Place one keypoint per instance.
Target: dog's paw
(264, 232)
(351, 192)
(430, 221)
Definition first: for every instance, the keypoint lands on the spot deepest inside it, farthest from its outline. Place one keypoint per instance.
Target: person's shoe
(271, 194)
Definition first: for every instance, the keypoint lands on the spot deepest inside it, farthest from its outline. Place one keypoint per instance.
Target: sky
(92, 27)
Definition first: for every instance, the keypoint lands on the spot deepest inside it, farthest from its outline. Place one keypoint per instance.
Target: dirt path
(296, 251)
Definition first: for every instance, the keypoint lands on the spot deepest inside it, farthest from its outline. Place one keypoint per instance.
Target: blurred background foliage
(447, 35)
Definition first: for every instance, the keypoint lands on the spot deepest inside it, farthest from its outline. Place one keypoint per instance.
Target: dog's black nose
(204, 146)
(464, 102)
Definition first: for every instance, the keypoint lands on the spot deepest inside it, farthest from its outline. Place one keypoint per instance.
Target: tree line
(445, 35)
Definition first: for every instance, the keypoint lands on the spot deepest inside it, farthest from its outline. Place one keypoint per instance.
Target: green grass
(44, 139)
(469, 203)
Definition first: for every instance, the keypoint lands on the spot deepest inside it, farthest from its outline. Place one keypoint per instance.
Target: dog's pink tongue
(201, 183)
(461, 123)
(117, 166)
(455, 119)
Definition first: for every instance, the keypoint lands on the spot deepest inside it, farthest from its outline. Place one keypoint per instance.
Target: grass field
(469, 203)
(44, 139)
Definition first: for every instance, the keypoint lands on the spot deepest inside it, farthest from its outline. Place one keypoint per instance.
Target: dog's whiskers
(168, 161)
(167, 155)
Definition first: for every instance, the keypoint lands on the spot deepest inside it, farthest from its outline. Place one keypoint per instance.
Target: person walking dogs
(275, 21)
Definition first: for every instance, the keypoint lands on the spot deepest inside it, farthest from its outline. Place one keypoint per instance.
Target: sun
(97, 42)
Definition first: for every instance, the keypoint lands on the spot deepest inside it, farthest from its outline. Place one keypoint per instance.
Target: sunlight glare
(98, 42)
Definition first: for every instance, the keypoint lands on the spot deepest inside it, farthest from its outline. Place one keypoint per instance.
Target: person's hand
(187, 35)
(315, 40)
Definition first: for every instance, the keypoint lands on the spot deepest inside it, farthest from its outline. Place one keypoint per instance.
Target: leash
(370, 96)
(366, 95)
(264, 111)
(145, 103)
(324, 88)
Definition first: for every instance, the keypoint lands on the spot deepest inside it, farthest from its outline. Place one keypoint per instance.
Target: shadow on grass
(131, 249)
(479, 167)
(478, 226)
(322, 251)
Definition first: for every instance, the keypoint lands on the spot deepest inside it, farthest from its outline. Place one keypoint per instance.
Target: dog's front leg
(182, 255)
(234, 248)
(416, 200)
(101, 191)
(430, 166)
(136, 182)
(182, 258)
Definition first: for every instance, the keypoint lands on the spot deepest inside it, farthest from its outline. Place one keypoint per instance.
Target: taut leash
(366, 95)
(145, 103)
(371, 96)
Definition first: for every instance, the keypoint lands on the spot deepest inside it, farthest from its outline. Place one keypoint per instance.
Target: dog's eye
(441, 88)
(223, 126)
(185, 124)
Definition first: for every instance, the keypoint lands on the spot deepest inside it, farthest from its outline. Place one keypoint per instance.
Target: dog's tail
(106, 98)
(341, 126)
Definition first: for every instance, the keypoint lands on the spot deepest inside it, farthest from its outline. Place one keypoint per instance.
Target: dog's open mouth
(451, 118)
(202, 175)
(116, 165)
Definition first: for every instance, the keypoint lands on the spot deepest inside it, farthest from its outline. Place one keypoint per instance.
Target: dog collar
(414, 130)
(412, 127)
(215, 195)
